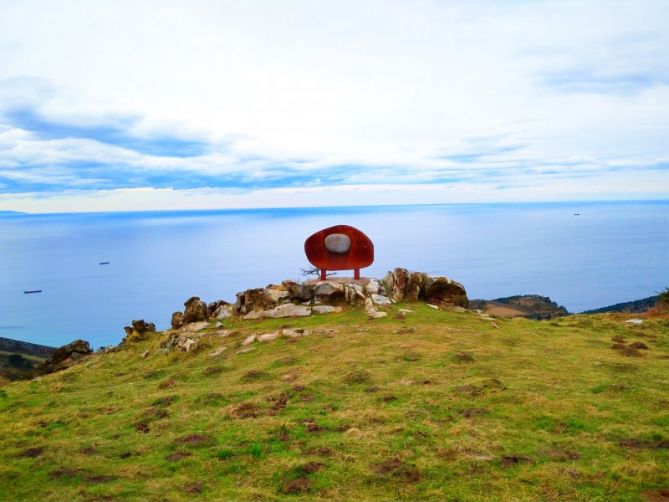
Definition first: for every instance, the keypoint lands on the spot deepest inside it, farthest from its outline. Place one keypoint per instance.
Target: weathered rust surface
(359, 255)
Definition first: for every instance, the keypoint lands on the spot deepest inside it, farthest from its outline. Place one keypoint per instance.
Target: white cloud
(396, 88)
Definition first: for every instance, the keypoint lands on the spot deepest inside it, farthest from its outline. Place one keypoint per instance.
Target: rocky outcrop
(196, 311)
(301, 299)
(402, 285)
(180, 342)
(139, 330)
(65, 356)
(529, 306)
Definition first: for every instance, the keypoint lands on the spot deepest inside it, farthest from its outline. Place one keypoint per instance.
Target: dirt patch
(125, 454)
(389, 399)
(194, 488)
(279, 401)
(468, 390)
(245, 410)
(142, 427)
(170, 383)
(31, 452)
(618, 339)
(312, 426)
(254, 376)
(625, 350)
(64, 472)
(321, 452)
(213, 370)
(284, 433)
(463, 357)
(297, 486)
(194, 440)
(638, 346)
(562, 455)
(473, 412)
(155, 413)
(372, 389)
(398, 469)
(661, 495)
(357, 377)
(100, 479)
(511, 460)
(89, 450)
(177, 455)
(310, 467)
(165, 401)
(644, 444)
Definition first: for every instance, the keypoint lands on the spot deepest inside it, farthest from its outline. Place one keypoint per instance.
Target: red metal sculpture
(339, 248)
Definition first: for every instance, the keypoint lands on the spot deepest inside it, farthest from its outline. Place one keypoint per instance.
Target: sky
(141, 105)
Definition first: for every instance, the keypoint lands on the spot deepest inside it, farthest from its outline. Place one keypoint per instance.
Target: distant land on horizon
(334, 207)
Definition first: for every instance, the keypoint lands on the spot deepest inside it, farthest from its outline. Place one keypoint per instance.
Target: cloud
(254, 96)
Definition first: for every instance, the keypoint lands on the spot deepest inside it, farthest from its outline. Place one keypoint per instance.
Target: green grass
(457, 410)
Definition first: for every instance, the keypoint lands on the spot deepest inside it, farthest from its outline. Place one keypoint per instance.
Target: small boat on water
(31, 291)
(577, 214)
(103, 263)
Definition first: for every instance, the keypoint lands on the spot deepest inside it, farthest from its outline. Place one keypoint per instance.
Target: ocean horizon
(582, 255)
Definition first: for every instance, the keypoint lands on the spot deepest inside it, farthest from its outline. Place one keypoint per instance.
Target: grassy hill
(441, 405)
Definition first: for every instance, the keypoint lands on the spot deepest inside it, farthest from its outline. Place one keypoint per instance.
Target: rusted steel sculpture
(339, 248)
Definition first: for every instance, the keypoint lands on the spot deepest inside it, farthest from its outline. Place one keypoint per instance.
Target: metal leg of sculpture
(324, 275)
(356, 274)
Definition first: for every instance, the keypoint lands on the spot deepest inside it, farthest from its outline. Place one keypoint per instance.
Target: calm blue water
(612, 252)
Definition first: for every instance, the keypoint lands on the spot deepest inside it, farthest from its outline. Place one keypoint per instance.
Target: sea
(583, 255)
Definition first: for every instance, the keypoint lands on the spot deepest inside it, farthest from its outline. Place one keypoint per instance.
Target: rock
(223, 311)
(196, 326)
(79, 347)
(444, 291)
(145, 354)
(325, 309)
(213, 307)
(277, 293)
(432, 306)
(142, 326)
(217, 352)
(285, 310)
(196, 311)
(223, 333)
(328, 291)
(244, 351)
(381, 300)
(297, 291)
(396, 282)
(138, 331)
(354, 292)
(177, 320)
(294, 333)
(373, 287)
(249, 340)
(269, 336)
(415, 286)
(179, 342)
(634, 321)
(405, 311)
(338, 243)
(254, 299)
(372, 313)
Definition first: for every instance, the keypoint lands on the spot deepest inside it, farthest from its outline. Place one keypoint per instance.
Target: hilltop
(19, 359)
(422, 403)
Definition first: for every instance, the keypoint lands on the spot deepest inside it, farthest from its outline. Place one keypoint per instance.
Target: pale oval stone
(338, 243)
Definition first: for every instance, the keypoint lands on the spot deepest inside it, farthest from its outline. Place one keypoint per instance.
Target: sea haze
(610, 252)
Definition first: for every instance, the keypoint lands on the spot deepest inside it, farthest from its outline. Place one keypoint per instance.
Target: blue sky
(161, 105)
